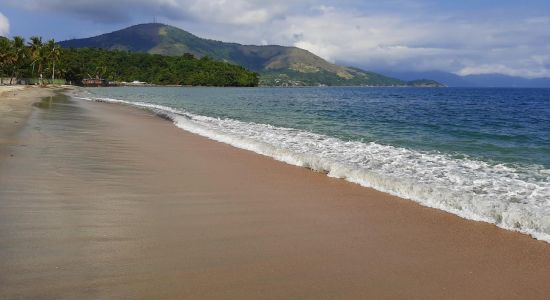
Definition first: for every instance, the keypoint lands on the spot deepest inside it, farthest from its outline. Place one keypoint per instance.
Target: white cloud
(389, 41)
(395, 34)
(4, 25)
(237, 12)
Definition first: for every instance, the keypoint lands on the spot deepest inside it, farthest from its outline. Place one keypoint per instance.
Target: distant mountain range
(277, 65)
(485, 80)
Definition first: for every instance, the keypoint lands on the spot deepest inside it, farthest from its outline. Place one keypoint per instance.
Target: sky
(463, 37)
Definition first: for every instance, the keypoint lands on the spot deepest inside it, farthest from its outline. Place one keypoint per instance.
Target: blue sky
(463, 37)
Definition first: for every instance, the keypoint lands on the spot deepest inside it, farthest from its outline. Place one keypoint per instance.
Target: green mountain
(277, 65)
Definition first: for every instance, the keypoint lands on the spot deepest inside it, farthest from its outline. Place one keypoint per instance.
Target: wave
(513, 197)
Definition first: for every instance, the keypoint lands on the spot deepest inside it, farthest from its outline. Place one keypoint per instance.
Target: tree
(19, 52)
(54, 55)
(35, 49)
(188, 56)
(6, 57)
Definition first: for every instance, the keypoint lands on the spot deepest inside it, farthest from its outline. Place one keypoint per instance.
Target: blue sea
(480, 153)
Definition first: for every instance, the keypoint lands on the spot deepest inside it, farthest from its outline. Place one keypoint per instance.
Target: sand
(15, 107)
(103, 201)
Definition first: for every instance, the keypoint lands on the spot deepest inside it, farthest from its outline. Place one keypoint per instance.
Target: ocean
(480, 153)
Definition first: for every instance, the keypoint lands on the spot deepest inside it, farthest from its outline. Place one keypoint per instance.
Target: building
(94, 82)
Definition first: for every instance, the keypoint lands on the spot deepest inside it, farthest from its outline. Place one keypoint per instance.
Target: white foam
(511, 197)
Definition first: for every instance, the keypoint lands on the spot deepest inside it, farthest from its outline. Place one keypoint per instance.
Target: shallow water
(483, 154)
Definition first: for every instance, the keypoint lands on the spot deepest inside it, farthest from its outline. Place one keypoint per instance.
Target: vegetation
(119, 65)
(296, 78)
(277, 65)
(166, 55)
(37, 60)
(425, 83)
(19, 60)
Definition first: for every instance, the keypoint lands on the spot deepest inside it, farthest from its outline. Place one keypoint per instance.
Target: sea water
(482, 154)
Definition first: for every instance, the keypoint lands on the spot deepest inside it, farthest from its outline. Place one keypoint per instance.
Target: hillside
(277, 65)
(484, 80)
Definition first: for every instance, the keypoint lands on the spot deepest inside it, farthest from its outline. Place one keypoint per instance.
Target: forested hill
(277, 65)
(152, 68)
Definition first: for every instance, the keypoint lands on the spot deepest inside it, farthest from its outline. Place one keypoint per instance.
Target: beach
(15, 108)
(106, 201)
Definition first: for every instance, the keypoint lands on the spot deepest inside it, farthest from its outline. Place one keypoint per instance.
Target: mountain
(485, 80)
(448, 79)
(277, 65)
(499, 80)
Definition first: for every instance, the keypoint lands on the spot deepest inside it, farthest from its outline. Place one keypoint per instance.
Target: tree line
(33, 59)
(153, 68)
(36, 60)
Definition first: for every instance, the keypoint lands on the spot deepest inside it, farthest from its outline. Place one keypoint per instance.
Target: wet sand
(15, 107)
(102, 201)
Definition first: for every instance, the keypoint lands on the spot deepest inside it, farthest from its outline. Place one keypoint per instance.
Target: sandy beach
(15, 108)
(104, 201)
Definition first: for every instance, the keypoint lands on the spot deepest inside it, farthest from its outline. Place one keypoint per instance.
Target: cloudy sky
(464, 37)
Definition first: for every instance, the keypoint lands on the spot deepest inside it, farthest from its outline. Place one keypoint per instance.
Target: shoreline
(111, 201)
(424, 194)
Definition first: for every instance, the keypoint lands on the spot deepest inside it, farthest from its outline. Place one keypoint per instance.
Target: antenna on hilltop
(155, 19)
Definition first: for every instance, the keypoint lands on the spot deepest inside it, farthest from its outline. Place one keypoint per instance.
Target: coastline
(475, 186)
(111, 201)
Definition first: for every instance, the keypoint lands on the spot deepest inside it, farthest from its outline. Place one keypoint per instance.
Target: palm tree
(43, 57)
(19, 52)
(54, 55)
(35, 47)
(5, 57)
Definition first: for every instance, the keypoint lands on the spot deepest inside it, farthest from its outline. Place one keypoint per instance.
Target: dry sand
(102, 201)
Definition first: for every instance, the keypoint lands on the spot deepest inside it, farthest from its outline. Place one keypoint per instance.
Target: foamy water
(511, 196)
